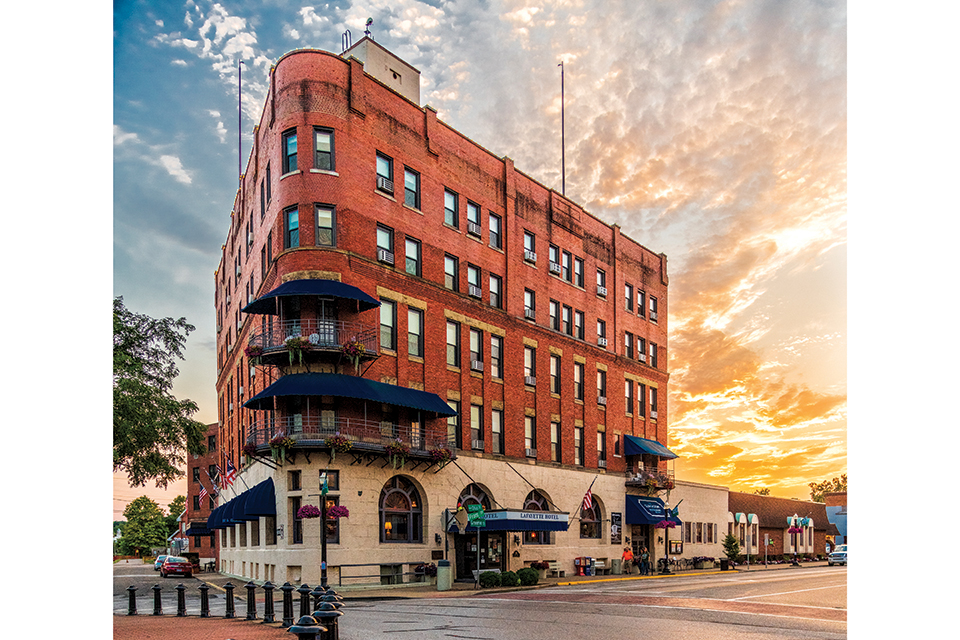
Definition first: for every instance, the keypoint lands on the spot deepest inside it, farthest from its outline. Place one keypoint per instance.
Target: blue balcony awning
(641, 510)
(267, 304)
(344, 386)
(248, 506)
(262, 500)
(633, 446)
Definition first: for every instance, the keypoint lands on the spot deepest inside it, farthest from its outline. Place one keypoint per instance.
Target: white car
(838, 556)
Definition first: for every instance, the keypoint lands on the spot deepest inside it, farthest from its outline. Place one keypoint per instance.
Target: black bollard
(307, 628)
(251, 600)
(157, 609)
(287, 589)
(317, 593)
(132, 604)
(231, 613)
(327, 615)
(268, 602)
(204, 600)
(181, 600)
(304, 592)
(336, 601)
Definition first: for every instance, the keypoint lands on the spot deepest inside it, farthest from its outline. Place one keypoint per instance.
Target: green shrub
(489, 579)
(509, 579)
(528, 576)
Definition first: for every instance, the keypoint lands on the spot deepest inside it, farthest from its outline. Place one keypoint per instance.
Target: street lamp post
(666, 540)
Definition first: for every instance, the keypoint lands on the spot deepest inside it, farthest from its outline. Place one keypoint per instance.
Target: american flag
(222, 478)
(588, 499)
(203, 493)
(213, 485)
(231, 472)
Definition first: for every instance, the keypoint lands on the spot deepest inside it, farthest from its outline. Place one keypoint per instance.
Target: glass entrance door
(491, 552)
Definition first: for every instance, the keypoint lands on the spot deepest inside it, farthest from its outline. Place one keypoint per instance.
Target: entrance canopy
(267, 304)
(248, 506)
(641, 510)
(519, 520)
(634, 446)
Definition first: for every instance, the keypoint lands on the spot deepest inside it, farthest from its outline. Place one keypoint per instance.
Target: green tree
(818, 489)
(731, 548)
(146, 527)
(762, 492)
(174, 509)
(152, 430)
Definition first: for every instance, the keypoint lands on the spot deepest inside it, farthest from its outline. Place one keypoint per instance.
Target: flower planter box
(703, 565)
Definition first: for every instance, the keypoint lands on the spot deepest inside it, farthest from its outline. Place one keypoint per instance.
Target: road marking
(784, 593)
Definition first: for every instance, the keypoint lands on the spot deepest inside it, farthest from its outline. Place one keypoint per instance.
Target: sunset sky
(714, 132)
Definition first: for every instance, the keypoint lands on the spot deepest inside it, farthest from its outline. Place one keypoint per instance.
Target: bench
(476, 574)
(601, 568)
(555, 569)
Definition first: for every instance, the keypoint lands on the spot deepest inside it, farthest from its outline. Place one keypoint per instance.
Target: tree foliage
(152, 430)
(174, 509)
(765, 491)
(818, 489)
(146, 527)
(731, 547)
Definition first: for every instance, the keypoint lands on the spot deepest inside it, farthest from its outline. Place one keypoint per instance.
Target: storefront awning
(198, 529)
(267, 304)
(518, 520)
(633, 446)
(344, 386)
(641, 510)
(262, 500)
(248, 506)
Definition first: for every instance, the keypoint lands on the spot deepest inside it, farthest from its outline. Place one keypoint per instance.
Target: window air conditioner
(602, 464)
(529, 256)
(602, 342)
(653, 316)
(642, 357)
(531, 453)
(602, 400)
(653, 414)
(473, 228)
(385, 184)
(476, 365)
(529, 313)
(477, 444)
(530, 381)
(385, 256)
(601, 291)
(554, 268)
(475, 291)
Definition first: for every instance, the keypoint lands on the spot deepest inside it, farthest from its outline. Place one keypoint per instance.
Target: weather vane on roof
(366, 31)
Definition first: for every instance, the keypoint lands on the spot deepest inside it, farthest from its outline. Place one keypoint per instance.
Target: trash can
(724, 564)
(444, 575)
(616, 566)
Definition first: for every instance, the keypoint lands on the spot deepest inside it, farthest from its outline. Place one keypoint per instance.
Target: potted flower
(253, 353)
(338, 443)
(426, 569)
(296, 345)
(398, 453)
(249, 451)
(338, 511)
(308, 511)
(441, 455)
(540, 566)
(703, 562)
(353, 350)
(279, 445)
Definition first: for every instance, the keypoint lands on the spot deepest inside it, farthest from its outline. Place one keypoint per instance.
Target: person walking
(644, 562)
(627, 560)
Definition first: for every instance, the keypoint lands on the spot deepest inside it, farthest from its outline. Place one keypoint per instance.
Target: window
(590, 523)
(270, 526)
(554, 373)
(601, 386)
(384, 173)
(270, 248)
(565, 271)
(269, 185)
(384, 244)
(567, 320)
(536, 501)
(333, 524)
(473, 219)
(294, 481)
(453, 424)
(451, 267)
(413, 257)
(628, 344)
(473, 281)
(476, 350)
(602, 333)
(529, 304)
(289, 151)
(476, 427)
(578, 381)
(211, 443)
(555, 315)
(196, 474)
(601, 449)
(263, 201)
(323, 149)
(196, 503)
(628, 296)
(641, 303)
(653, 402)
(415, 332)
(653, 356)
(496, 291)
(628, 394)
(530, 365)
(530, 436)
(641, 349)
(496, 429)
(496, 356)
(453, 343)
(555, 442)
(653, 309)
(578, 272)
(553, 254)
(641, 400)
(326, 221)
(411, 188)
(451, 208)
(496, 237)
(291, 228)
(401, 512)
(601, 283)
(578, 324)
(578, 446)
(388, 324)
(296, 523)
(529, 247)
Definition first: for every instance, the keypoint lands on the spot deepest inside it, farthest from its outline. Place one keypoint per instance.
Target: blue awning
(344, 386)
(198, 529)
(641, 510)
(262, 500)
(267, 303)
(633, 446)
(248, 506)
(518, 520)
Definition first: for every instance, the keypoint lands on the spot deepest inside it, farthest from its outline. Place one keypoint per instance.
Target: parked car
(838, 555)
(158, 562)
(177, 565)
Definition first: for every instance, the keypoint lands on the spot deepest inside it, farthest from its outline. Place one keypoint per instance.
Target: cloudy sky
(715, 132)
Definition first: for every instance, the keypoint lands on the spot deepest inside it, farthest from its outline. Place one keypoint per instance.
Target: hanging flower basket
(353, 350)
(664, 524)
(398, 453)
(253, 353)
(338, 511)
(296, 345)
(282, 442)
(441, 454)
(308, 511)
(795, 530)
(249, 449)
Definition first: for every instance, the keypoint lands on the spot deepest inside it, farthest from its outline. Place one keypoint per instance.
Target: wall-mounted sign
(616, 528)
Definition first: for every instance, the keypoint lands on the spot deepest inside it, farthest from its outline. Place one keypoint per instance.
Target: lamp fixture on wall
(516, 539)
(437, 538)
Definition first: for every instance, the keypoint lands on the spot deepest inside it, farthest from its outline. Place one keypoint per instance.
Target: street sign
(476, 516)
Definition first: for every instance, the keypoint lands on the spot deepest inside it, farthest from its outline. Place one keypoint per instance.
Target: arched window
(473, 494)
(401, 512)
(590, 522)
(536, 501)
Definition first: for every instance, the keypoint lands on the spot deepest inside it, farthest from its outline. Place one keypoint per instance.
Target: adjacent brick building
(498, 321)
(200, 499)
(769, 519)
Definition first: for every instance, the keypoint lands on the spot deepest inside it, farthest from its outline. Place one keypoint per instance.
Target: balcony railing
(324, 335)
(651, 479)
(311, 431)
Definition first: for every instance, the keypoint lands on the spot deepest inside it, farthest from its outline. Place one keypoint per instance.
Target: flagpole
(580, 508)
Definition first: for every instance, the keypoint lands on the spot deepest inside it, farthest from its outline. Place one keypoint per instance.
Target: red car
(178, 565)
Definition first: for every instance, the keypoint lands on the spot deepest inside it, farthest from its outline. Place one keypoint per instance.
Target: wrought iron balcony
(320, 335)
(651, 479)
(365, 435)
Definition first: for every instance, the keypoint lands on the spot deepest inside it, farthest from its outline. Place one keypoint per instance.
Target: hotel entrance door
(491, 552)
